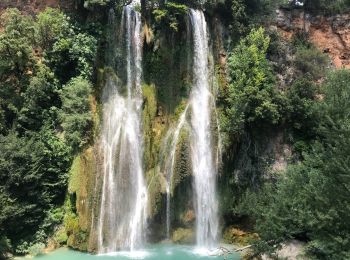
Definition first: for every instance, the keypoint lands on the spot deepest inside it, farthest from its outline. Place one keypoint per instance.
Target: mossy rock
(188, 217)
(78, 202)
(151, 130)
(183, 236)
(155, 191)
(77, 238)
(234, 235)
(61, 236)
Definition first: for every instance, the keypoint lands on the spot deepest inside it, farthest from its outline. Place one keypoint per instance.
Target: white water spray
(122, 216)
(203, 158)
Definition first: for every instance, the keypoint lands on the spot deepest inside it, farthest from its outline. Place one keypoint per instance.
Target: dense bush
(170, 14)
(311, 201)
(33, 174)
(75, 114)
(37, 55)
(308, 59)
(51, 25)
(327, 7)
(251, 96)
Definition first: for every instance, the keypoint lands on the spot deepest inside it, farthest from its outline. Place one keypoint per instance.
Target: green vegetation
(311, 200)
(251, 96)
(38, 55)
(327, 7)
(33, 179)
(287, 205)
(277, 101)
(90, 3)
(76, 116)
(170, 14)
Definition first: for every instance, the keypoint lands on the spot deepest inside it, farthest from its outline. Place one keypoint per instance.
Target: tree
(251, 95)
(41, 101)
(312, 200)
(75, 115)
(51, 25)
(73, 56)
(16, 63)
(33, 177)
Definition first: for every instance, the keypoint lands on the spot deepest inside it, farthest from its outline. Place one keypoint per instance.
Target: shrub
(251, 95)
(51, 25)
(75, 115)
(310, 60)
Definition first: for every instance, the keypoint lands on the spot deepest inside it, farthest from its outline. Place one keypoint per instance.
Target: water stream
(170, 163)
(202, 150)
(122, 216)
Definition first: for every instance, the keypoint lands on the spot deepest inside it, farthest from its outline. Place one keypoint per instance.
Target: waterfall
(202, 155)
(122, 217)
(170, 163)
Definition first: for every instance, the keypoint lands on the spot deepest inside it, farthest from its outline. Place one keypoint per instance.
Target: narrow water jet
(202, 155)
(169, 166)
(123, 208)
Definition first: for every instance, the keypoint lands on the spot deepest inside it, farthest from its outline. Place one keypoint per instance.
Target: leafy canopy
(251, 95)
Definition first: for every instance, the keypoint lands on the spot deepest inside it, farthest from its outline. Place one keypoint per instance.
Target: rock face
(330, 34)
(292, 250)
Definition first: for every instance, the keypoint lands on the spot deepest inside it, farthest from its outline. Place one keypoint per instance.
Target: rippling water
(154, 252)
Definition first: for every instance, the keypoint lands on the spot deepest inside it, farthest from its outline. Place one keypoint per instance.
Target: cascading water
(203, 162)
(170, 163)
(122, 216)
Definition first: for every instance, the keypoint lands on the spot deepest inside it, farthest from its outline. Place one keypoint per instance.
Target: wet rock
(183, 236)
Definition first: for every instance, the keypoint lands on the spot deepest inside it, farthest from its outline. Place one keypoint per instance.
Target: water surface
(154, 252)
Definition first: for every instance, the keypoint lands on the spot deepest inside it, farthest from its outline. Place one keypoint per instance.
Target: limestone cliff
(331, 34)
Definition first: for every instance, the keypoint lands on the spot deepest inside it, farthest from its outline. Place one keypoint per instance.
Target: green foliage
(311, 200)
(92, 3)
(15, 42)
(239, 16)
(75, 115)
(33, 174)
(308, 59)
(326, 7)
(73, 56)
(301, 99)
(37, 55)
(16, 62)
(5, 246)
(61, 236)
(170, 15)
(251, 95)
(51, 25)
(40, 101)
(248, 13)
(76, 237)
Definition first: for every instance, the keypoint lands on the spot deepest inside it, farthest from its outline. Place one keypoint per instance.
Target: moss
(151, 136)
(74, 174)
(182, 192)
(77, 238)
(61, 236)
(155, 191)
(179, 110)
(182, 163)
(166, 66)
(234, 235)
(183, 236)
(78, 202)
